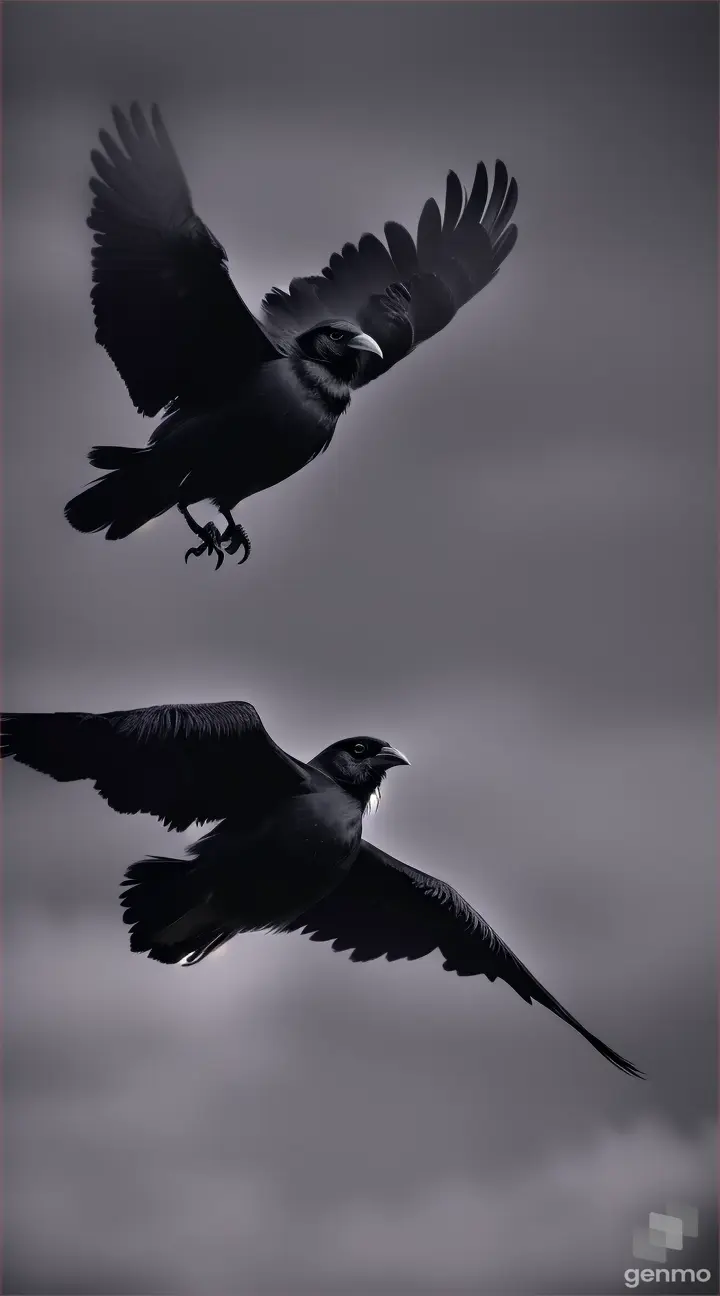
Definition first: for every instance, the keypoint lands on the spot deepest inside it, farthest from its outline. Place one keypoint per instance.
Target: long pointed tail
(127, 497)
(169, 911)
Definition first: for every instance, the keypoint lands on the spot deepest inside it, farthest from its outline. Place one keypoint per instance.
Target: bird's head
(338, 344)
(359, 764)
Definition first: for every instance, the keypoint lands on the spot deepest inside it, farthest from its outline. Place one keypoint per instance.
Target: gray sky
(504, 564)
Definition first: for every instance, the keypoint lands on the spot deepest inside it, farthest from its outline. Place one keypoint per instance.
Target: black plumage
(248, 402)
(287, 854)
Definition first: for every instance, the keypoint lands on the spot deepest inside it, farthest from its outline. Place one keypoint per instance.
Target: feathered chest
(306, 392)
(322, 388)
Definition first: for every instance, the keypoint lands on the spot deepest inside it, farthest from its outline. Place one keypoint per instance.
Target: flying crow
(247, 402)
(288, 854)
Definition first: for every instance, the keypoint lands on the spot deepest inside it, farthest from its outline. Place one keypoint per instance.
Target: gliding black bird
(248, 402)
(288, 854)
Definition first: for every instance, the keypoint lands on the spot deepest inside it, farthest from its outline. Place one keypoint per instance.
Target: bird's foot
(233, 537)
(211, 545)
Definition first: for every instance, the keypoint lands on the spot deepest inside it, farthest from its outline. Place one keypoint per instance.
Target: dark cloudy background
(504, 565)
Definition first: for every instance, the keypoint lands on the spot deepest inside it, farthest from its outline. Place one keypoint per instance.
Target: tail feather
(115, 456)
(129, 495)
(169, 911)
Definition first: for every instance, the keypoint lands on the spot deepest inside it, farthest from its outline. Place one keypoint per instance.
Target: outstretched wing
(384, 908)
(453, 257)
(165, 307)
(183, 764)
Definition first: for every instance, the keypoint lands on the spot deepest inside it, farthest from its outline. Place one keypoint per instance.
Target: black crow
(248, 402)
(288, 854)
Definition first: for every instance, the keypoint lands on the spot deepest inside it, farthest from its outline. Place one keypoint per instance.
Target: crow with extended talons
(248, 402)
(288, 854)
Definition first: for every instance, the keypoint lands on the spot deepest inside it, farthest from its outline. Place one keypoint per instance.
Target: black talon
(208, 548)
(209, 535)
(195, 552)
(233, 537)
(232, 545)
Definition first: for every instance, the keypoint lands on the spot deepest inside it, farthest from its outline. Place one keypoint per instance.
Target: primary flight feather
(249, 401)
(288, 853)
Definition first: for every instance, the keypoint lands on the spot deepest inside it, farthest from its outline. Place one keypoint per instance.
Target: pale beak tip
(363, 342)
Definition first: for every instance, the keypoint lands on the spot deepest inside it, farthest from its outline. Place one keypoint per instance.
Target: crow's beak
(363, 342)
(391, 756)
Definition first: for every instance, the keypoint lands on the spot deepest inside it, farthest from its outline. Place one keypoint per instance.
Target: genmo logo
(665, 1233)
(633, 1277)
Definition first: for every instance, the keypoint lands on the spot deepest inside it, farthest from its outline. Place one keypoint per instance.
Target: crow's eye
(336, 335)
(359, 749)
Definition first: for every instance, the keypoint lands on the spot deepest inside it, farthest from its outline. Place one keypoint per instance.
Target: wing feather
(455, 255)
(166, 310)
(507, 209)
(497, 197)
(402, 250)
(478, 197)
(453, 201)
(385, 908)
(185, 763)
(429, 235)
